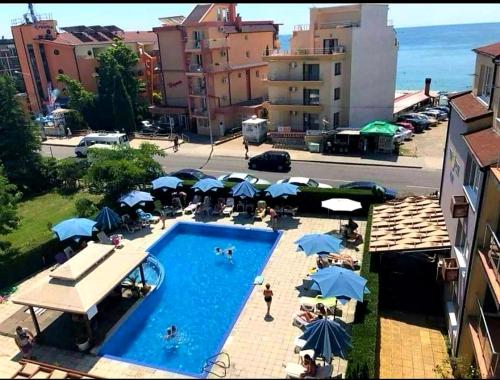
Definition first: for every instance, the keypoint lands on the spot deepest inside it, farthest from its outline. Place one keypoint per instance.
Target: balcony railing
(208, 43)
(295, 102)
(195, 68)
(203, 112)
(288, 77)
(198, 91)
(491, 247)
(329, 51)
(486, 330)
(193, 44)
(325, 25)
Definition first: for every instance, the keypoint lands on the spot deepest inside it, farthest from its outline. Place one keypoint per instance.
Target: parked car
(432, 121)
(148, 127)
(402, 134)
(368, 185)
(240, 177)
(190, 174)
(418, 123)
(100, 140)
(442, 108)
(304, 181)
(437, 114)
(407, 125)
(271, 160)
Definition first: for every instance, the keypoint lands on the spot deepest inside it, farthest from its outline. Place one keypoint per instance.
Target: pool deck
(257, 348)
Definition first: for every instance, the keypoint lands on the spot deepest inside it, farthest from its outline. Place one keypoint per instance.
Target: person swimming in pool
(218, 251)
(171, 332)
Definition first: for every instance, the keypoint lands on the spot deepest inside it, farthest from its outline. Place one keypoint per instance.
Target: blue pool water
(201, 294)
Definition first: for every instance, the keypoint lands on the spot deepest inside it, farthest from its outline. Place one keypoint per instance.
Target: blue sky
(144, 16)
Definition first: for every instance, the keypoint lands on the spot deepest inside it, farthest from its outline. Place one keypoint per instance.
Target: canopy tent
(74, 227)
(379, 128)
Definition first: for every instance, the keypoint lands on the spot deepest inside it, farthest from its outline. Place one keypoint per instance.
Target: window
(461, 235)
(247, 54)
(56, 52)
(311, 121)
(337, 68)
(336, 93)
(60, 71)
(89, 52)
(336, 119)
(472, 179)
(485, 82)
(257, 73)
(239, 75)
(310, 71)
(311, 97)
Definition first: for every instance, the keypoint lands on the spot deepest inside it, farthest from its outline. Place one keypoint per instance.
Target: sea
(442, 53)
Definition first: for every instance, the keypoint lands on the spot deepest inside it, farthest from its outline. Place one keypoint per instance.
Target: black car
(190, 174)
(367, 185)
(418, 124)
(271, 160)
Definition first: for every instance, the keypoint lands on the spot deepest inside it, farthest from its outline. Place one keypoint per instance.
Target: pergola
(83, 281)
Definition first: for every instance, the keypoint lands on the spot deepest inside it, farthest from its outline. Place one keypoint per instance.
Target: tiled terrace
(257, 348)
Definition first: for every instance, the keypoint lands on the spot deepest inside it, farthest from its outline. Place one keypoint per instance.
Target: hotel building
(212, 81)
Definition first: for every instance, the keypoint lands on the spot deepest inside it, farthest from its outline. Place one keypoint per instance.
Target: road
(417, 181)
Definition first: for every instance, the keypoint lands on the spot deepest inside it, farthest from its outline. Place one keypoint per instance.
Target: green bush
(85, 208)
(363, 355)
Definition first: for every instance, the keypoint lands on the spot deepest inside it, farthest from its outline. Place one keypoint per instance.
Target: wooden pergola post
(35, 321)
(88, 328)
(143, 278)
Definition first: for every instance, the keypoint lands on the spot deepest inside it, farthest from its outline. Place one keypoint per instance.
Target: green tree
(19, 140)
(118, 170)
(8, 204)
(118, 87)
(80, 100)
(70, 171)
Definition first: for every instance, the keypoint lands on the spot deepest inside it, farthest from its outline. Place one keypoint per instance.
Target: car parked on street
(190, 174)
(432, 121)
(441, 108)
(240, 177)
(407, 125)
(304, 181)
(272, 160)
(368, 185)
(437, 114)
(402, 134)
(418, 123)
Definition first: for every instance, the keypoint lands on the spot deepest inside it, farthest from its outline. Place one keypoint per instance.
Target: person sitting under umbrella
(309, 366)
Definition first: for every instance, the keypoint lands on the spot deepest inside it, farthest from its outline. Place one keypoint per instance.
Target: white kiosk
(255, 129)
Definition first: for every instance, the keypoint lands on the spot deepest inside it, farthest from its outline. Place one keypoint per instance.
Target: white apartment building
(340, 70)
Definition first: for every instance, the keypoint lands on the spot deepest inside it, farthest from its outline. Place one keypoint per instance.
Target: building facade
(213, 81)
(9, 62)
(340, 70)
(470, 200)
(44, 52)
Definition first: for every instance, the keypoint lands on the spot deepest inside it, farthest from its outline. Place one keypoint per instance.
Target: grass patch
(408, 151)
(363, 355)
(36, 213)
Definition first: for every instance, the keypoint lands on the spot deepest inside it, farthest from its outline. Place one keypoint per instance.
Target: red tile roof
(469, 107)
(492, 50)
(485, 145)
(196, 14)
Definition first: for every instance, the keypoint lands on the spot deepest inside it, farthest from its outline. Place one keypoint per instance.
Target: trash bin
(313, 147)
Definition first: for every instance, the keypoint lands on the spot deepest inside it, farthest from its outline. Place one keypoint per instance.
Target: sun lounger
(129, 224)
(69, 252)
(193, 205)
(343, 260)
(147, 217)
(103, 238)
(294, 370)
(260, 211)
(219, 206)
(177, 206)
(228, 210)
(309, 302)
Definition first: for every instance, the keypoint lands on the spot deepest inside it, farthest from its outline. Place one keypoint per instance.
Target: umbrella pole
(335, 310)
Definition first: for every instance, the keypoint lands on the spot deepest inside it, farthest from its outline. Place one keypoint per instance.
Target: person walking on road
(176, 143)
(245, 143)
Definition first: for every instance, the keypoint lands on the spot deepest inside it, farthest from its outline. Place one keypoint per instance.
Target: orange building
(44, 53)
(212, 67)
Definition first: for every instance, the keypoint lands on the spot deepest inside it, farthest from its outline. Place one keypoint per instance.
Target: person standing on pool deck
(268, 297)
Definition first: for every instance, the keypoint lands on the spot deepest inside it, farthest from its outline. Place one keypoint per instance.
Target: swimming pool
(202, 294)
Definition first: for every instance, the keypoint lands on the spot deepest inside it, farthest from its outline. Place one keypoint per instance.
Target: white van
(100, 140)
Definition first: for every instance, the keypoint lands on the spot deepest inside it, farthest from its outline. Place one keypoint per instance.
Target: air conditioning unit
(459, 206)
(292, 89)
(293, 64)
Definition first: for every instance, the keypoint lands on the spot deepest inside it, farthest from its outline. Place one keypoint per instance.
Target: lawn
(35, 215)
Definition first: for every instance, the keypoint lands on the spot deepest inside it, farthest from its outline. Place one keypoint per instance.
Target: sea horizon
(440, 52)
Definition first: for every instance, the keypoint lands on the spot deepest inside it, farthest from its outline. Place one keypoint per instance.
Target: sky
(144, 16)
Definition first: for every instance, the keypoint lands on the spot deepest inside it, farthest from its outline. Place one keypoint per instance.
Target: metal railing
(199, 112)
(289, 77)
(330, 25)
(193, 44)
(195, 68)
(214, 361)
(328, 51)
(491, 247)
(295, 102)
(39, 16)
(490, 356)
(301, 28)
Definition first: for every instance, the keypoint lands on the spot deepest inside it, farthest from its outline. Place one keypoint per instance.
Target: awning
(81, 295)
(379, 128)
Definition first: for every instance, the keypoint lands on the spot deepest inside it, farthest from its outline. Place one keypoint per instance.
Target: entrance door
(330, 45)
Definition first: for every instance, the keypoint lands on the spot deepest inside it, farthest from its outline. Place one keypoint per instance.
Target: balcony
(215, 43)
(489, 253)
(325, 25)
(299, 105)
(485, 332)
(329, 53)
(284, 79)
(199, 112)
(197, 91)
(193, 46)
(194, 70)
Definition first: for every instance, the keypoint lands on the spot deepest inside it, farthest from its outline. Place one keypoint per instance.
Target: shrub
(363, 355)
(85, 208)
(70, 171)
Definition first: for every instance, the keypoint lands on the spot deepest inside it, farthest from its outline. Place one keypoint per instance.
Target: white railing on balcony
(301, 28)
(490, 355)
(491, 247)
(330, 25)
(329, 51)
(195, 68)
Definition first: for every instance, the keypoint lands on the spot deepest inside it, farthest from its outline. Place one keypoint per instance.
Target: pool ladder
(215, 361)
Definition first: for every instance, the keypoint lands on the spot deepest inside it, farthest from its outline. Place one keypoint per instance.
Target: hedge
(363, 355)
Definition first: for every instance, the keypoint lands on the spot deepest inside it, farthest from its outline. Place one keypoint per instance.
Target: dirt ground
(429, 145)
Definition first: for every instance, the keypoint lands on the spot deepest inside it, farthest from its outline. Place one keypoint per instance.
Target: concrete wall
(373, 68)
